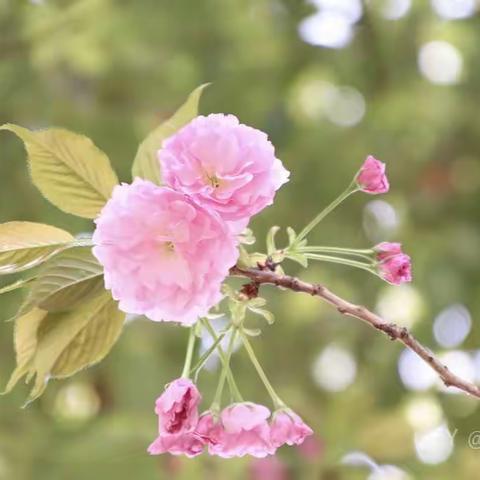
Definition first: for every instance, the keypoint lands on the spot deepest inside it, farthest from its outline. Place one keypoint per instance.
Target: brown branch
(394, 332)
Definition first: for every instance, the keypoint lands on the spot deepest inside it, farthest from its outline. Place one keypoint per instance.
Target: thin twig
(394, 332)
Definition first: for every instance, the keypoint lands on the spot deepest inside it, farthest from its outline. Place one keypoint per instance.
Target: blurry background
(330, 81)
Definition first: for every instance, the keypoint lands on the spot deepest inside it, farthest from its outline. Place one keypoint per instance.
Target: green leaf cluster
(68, 321)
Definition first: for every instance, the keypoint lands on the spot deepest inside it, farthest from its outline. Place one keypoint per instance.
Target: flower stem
(277, 401)
(189, 354)
(352, 188)
(203, 359)
(223, 375)
(366, 254)
(231, 381)
(342, 261)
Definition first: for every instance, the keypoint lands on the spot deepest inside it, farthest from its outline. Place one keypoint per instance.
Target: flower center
(167, 247)
(213, 180)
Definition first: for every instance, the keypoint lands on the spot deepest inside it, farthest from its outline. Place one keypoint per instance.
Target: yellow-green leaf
(16, 285)
(146, 164)
(68, 168)
(68, 279)
(25, 341)
(25, 245)
(75, 340)
(55, 345)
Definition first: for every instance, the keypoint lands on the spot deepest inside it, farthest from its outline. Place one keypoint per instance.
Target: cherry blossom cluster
(167, 250)
(240, 429)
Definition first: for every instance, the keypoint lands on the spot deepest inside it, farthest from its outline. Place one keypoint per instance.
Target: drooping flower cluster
(167, 250)
(240, 429)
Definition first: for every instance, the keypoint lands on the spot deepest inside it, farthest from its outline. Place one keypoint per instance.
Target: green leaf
(146, 164)
(266, 314)
(25, 245)
(66, 280)
(57, 345)
(298, 257)
(16, 285)
(25, 341)
(68, 168)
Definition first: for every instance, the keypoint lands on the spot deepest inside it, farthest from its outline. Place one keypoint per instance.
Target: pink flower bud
(372, 178)
(396, 269)
(288, 428)
(387, 249)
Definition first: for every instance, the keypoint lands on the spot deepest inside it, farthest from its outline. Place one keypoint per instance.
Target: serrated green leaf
(68, 169)
(57, 345)
(25, 245)
(146, 164)
(66, 280)
(75, 340)
(25, 342)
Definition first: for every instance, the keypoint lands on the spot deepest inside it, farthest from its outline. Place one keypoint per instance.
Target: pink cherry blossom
(387, 249)
(372, 178)
(223, 164)
(177, 407)
(177, 410)
(188, 444)
(163, 255)
(288, 428)
(242, 429)
(396, 269)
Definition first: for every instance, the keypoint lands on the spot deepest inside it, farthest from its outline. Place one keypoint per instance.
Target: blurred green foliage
(113, 69)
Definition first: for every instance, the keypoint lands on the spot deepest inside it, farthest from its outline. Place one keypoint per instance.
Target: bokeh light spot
(414, 372)
(326, 29)
(334, 369)
(423, 413)
(395, 9)
(460, 363)
(380, 220)
(77, 402)
(452, 326)
(434, 446)
(440, 62)
(352, 10)
(401, 304)
(454, 9)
